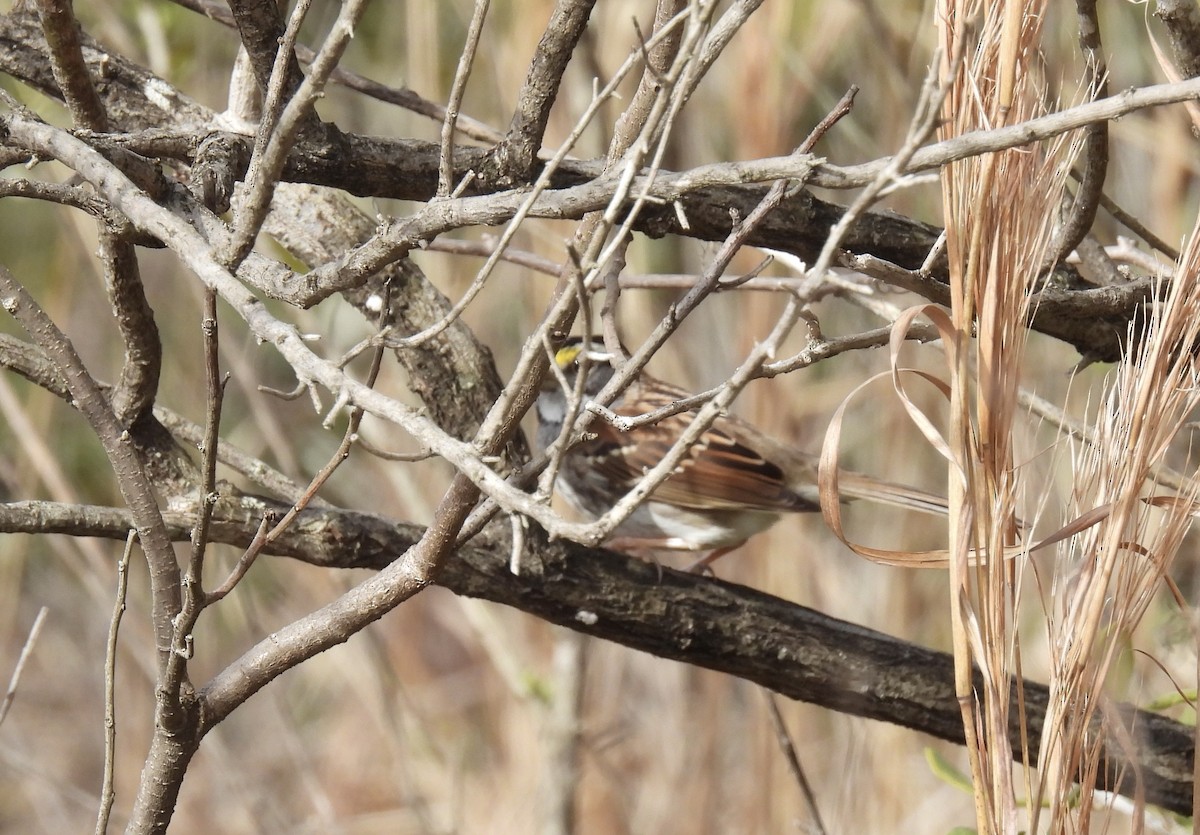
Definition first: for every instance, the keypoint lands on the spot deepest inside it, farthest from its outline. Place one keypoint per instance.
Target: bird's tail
(868, 488)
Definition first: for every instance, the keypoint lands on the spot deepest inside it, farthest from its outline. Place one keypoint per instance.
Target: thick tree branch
(787, 648)
(261, 28)
(70, 71)
(1182, 19)
(798, 227)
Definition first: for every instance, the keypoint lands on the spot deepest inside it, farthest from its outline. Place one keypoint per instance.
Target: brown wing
(718, 473)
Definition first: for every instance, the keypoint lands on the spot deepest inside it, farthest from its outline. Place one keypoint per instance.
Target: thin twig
(784, 738)
(244, 561)
(465, 59)
(399, 96)
(488, 247)
(264, 537)
(1138, 228)
(387, 455)
(193, 579)
(523, 210)
(107, 792)
(14, 681)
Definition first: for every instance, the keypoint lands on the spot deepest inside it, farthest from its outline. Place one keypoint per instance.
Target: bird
(733, 483)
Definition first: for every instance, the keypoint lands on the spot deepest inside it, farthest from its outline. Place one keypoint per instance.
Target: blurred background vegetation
(433, 719)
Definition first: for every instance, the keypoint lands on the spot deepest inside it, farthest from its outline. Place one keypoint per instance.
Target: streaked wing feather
(719, 473)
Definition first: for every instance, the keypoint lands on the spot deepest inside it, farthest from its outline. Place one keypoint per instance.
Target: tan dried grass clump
(1001, 212)
(1105, 577)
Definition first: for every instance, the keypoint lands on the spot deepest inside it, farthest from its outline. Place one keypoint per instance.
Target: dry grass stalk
(1106, 576)
(999, 219)
(998, 229)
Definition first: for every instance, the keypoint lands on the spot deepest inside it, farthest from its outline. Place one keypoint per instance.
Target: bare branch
(790, 229)
(1082, 214)
(270, 154)
(261, 30)
(516, 155)
(14, 680)
(143, 352)
(789, 649)
(1182, 20)
(400, 96)
(131, 478)
(108, 794)
(62, 35)
(135, 391)
(659, 59)
(466, 419)
(457, 90)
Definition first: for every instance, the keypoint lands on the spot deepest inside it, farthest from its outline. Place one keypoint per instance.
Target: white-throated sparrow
(735, 482)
